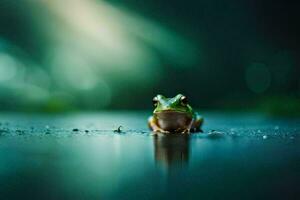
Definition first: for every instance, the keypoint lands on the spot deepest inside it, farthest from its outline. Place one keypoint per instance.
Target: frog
(174, 115)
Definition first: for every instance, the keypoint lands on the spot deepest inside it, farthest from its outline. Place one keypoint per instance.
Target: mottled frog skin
(174, 115)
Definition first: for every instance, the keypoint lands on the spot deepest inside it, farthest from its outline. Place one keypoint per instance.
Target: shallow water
(79, 156)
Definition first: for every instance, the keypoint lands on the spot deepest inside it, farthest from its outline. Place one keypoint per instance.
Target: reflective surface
(79, 156)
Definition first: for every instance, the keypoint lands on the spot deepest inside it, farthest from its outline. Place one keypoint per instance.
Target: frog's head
(178, 104)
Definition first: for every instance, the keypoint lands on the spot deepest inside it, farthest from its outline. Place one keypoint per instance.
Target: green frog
(174, 115)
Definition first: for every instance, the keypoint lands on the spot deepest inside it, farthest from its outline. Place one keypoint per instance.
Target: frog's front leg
(197, 123)
(152, 123)
(189, 129)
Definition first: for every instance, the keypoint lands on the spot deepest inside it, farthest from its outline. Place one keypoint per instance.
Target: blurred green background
(92, 55)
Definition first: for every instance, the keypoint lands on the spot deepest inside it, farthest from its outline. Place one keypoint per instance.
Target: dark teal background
(221, 54)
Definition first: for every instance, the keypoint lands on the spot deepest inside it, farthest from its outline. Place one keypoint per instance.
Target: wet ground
(85, 156)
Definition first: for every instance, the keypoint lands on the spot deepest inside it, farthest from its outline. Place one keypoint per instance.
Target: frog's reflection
(171, 150)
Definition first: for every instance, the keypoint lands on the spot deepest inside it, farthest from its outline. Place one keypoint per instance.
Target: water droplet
(20, 132)
(215, 134)
(265, 137)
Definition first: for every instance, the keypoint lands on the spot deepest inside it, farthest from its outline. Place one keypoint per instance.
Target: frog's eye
(184, 100)
(155, 101)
